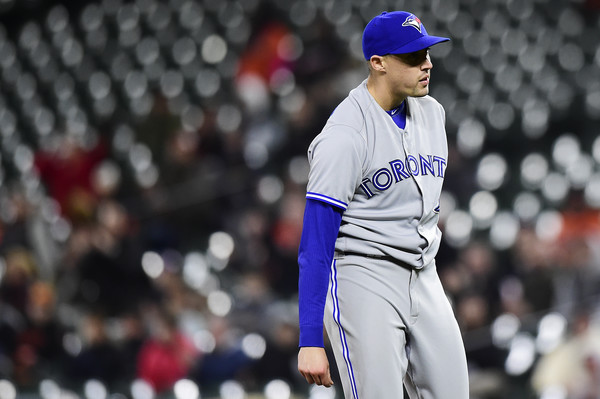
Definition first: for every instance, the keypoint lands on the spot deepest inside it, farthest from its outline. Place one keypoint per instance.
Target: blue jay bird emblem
(413, 21)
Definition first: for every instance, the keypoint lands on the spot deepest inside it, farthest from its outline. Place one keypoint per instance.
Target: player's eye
(413, 59)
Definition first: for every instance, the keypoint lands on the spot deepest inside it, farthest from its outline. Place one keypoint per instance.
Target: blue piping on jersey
(327, 199)
(336, 318)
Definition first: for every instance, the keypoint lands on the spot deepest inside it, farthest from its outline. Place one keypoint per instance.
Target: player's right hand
(314, 366)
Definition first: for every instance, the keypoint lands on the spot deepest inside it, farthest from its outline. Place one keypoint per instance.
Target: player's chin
(421, 92)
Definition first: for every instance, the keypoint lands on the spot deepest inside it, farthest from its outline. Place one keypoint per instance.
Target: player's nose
(427, 64)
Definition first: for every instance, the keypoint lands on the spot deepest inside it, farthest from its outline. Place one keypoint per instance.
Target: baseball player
(370, 235)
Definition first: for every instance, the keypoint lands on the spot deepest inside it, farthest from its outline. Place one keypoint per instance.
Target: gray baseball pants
(390, 325)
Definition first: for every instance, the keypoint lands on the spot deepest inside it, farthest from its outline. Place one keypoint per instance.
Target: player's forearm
(317, 245)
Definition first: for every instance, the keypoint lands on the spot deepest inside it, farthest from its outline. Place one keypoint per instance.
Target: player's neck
(382, 94)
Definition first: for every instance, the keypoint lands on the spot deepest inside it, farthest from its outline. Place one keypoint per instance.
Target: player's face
(409, 74)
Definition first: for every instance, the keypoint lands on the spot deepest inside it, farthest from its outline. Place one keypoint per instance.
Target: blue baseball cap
(396, 32)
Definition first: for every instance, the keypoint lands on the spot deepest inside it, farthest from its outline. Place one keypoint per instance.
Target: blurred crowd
(158, 242)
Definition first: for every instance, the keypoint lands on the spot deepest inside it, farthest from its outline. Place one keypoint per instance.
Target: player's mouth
(424, 81)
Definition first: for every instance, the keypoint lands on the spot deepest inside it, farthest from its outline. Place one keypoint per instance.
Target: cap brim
(421, 43)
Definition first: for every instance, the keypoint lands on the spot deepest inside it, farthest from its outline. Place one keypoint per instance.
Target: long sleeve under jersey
(317, 246)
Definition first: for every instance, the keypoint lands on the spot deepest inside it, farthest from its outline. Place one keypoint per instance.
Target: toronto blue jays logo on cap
(413, 21)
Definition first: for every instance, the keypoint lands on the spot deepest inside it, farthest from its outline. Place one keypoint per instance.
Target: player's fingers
(327, 381)
(323, 379)
(308, 377)
(318, 379)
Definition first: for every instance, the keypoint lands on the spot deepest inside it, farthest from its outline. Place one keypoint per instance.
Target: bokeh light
(504, 230)
(555, 187)
(153, 264)
(219, 303)
(521, 354)
(548, 225)
(459, 226)
(482, 207)
(214, 49)
(534, 169)
(592, 191)
(195, 270)
(95, 389)
(186, 389)
(8, 389)
(204, 341)
(470, 137)
(277, 389)
(254, 346)
(141, 389)
(551, 332)
(504, 329)
(527, 206)
(321, 392)
(492, 171)
(566, 150)
(232, 389)
(49, 389)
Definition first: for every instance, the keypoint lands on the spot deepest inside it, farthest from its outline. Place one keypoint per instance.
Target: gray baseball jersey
(387, 180)
(390, 325)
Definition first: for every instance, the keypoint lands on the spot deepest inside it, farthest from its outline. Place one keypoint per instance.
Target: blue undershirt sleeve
(317, 246)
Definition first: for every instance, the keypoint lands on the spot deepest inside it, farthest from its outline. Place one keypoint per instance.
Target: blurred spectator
(279, 360)
(576, 281)
(181, 157)
(67, 173)
(253, 296)
(227, 360)
(109, 274)
(11, 323)
(167, 355)
(26, 226)
(576, 256)
(267, 49)
(574, 365)
(252, 226)
(17, 212)
(20, 273)
(106, 179)
(532, 263)
(98, 358)
(175, 296)
(475, 272)
(473, 315)
(132, 337)
(39, 351)
(285, 237)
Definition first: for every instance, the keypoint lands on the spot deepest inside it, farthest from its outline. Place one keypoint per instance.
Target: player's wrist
(311, 336)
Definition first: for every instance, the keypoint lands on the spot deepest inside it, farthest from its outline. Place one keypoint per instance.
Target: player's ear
(376, 63)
